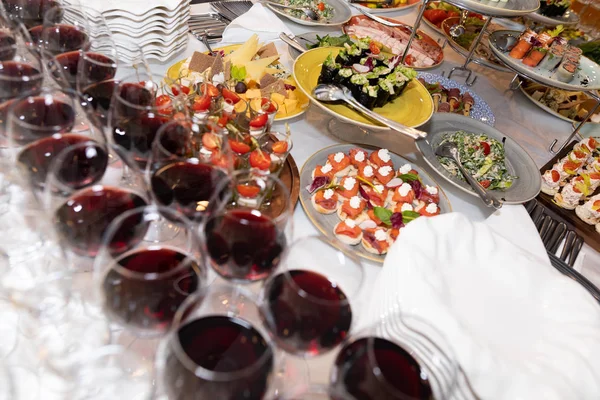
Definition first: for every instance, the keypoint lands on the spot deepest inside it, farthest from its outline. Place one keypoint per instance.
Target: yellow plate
(303, 101)
(413, 108)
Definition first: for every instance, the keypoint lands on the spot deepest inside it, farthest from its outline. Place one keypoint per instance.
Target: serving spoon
(450, 150)
(341, 93)
(457, 30)
(505, 42)
(309, 12)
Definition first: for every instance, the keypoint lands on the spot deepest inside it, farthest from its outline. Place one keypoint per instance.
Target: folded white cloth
(519, 328)
(259, 20)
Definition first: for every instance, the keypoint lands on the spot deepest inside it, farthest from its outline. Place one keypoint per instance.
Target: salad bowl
(525, 187)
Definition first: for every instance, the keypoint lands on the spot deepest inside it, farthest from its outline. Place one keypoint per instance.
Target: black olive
(240, 87)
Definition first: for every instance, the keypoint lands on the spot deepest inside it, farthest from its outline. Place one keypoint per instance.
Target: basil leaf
(408, 216)
(383, 214)
(408, 177)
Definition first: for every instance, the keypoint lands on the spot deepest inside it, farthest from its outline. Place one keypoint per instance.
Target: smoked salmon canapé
(348, 232)
(325, 201)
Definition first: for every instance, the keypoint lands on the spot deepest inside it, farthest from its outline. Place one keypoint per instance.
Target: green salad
(331, 41)
(482, 157)
(323, 10)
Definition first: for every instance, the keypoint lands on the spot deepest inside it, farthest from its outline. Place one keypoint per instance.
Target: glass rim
(149, 108)
(114, 63)
(17, 47)
(286, 272)
(181, 319)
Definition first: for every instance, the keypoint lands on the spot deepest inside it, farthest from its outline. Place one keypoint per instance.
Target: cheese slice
(245, 53)
(256, 69)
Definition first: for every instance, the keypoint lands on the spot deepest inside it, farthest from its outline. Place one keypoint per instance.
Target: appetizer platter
(385, 7)
(568, 106)
(450, 96)
(424, 52)
(547, 59)
(364, 196)
(253, 72)
(571, 187)
(378, 82)
(554, 12)
(330, 12)
(496, 160)
(483, 55)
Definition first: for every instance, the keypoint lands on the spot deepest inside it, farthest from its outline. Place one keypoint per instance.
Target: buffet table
(516, 116)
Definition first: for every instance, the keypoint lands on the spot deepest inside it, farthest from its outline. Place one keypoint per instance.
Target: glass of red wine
(83, 198)
(401, 357)
(189, 160)
(244, 239)
(142, 285)
(137, 112)
(21, 73)
(211, 354)
(311, 302)
(64, 29)
(45, 125)
(29, 12)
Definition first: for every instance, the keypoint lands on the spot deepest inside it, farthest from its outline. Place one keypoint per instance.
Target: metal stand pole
(414, 30)
(474, 45)
(576, 131)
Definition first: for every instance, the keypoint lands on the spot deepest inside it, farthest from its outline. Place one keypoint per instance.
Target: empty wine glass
(188, 162)
(142, 285)
(244, 238)
(211, 354)
(400, 357)
(83, 198)
(311, 303)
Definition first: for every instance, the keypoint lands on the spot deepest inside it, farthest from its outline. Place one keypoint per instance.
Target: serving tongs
(330, 93)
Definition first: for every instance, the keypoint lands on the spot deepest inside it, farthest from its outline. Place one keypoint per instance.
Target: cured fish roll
(572, 193)
(589, 212)
(554, 56)
(538, 51)
(523, 45)
(551, 181)
(566, 71)
(329, 70)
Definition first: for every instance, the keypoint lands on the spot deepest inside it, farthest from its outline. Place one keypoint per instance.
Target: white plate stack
(159, 27)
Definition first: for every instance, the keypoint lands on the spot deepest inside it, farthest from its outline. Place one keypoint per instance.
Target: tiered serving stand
(489, 9)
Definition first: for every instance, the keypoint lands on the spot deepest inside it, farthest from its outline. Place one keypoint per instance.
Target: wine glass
(21, 72)
(137, 111)
(45, 124)
(211, 354)
(64, 29)
(188, 162)
(312, 301)
(244, 238)
(401, 357)
(262, 115)
(28, 12)
(142, 285)
(82, 197)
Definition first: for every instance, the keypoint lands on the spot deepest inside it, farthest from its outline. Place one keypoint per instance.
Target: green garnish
(238, 73)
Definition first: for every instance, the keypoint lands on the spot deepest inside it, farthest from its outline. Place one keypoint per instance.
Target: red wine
(6, 40)
(38, 119)
(97, 67)
(147, 286)
(399, 373)
(83, 219)
(312, 323)
(59, 38)
(85, 166)
(99, 97)
(185, 186)
(30, 12)
(244, 245)
(223, 345)
(17, 79)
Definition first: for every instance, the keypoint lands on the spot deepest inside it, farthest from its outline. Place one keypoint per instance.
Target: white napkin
(259, 20)
(519, 328)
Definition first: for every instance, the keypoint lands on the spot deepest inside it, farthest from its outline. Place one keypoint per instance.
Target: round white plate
(518, 162)
(569, 19)
(387, 10)
(588, 70)
(341, 14)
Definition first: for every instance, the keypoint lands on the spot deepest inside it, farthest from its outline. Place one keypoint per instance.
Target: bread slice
(549, 190)
(276, 87)
(268, 50)
(200, 62)
(320, 209)
(267, 80)
(217, 66)
(347, 239)
(370, 248)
